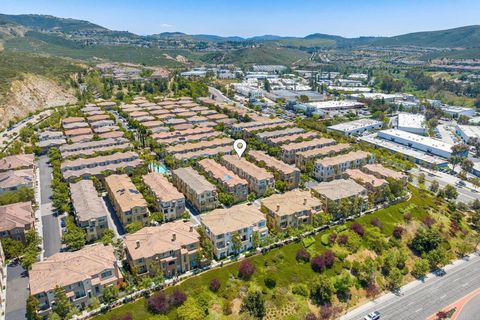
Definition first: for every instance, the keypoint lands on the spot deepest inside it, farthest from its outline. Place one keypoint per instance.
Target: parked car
(372, 316)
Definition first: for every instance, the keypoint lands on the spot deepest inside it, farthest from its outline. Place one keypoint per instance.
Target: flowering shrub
(303, 255)
(246, 269)
(377, 223)
(158, 303)
(358, 229)
(214, 284)
(398, 231)
(323, 261)
(177, 298)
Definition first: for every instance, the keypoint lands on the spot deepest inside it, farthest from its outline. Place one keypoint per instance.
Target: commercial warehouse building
(413, 123)
(356, 127)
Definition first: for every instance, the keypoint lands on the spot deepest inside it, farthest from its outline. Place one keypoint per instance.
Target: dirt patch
(236, 305)
(361, 255)
(31, 94)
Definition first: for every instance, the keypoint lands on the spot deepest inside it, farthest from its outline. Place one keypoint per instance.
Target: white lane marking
(443, 296)
(418, 310)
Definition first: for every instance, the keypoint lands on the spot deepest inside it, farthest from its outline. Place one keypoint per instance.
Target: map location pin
(239, 146)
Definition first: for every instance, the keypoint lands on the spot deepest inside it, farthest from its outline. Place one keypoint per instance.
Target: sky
(249, 18)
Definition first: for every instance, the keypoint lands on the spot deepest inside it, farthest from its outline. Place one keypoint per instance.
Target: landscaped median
(338, 268)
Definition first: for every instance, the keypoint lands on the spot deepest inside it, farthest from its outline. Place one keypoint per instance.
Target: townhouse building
(201, 193)
(333, 167)
(290, 209)
(259, 179)
(234, 230)
(266, 135)
(89, 148)
(383, 172)
(171, 248)
(90, 212)
(288, 151)
(200, 145)
(228, 180)
(286, 172)
(369, 181)
(128, 202)
(291, 138)
(337, 190)
(84, 168)
(13, 180)
(15, 220)
(83, 274)
(169, 200)
(17, 162)
(304, 157)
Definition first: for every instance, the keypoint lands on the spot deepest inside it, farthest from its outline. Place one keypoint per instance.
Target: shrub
(303, 255)
(398, 231)
(372, 290)
(343, 239)
(407, 216)
(214, 285)
(310, 316)
(270, 282)
(428, 221)
(357, 228)
(158, 303)
(323, 261)
(246, 269)
(300, 289)
(332, 238)
(377, 223)
(178, 297)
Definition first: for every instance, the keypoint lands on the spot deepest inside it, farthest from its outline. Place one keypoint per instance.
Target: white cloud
(166, 25)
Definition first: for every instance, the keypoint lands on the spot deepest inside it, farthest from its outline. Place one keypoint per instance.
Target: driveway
(52, 242)
(113, 221)
(17, 292)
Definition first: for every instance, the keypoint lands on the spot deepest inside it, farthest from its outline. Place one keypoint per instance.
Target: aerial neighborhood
(299, 189)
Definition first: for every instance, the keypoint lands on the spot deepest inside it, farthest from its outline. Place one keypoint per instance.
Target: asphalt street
(51, 230)
(17, 292)
(422, 300)
(466, 193)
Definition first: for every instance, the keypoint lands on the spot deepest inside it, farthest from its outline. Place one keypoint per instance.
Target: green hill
(50, 23)
(465, 37)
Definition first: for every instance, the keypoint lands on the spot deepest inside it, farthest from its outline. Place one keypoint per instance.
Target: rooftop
(248, 167)
(15, 178)
(86, 201)
(426, 141)
(66, 268)
(16, 215)
(343, 158)
(17, 162)
(221, 173)
(161, 187)
(271, 162)
(324, 151)
(151, 241)
(384, 171)
(194, 180)
(362, 177)
(355, 124)
(307, 144)
(126, 194)
(291, 202)
(233, 219)
(409, 120)
(339, 189)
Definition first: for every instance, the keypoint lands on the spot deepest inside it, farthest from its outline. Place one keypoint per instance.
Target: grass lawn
(281, 263)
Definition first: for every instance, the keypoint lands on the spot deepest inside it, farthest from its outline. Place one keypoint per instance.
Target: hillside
(464, 37)
(29, 82)
(50, 23)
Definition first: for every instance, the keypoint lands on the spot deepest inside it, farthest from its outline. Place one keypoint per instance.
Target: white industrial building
(329, 108)
(419, 157)
(415, 141)
(455, 112)
(247, 91)
(467, 133)
(356, 127)
(414, 123)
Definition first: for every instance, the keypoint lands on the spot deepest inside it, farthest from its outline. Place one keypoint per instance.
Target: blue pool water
(158, 167)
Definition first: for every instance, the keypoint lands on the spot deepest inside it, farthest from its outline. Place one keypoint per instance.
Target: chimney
(304, 201)
(278, 207)
(191, 228)
(137, 244)
(174, 236)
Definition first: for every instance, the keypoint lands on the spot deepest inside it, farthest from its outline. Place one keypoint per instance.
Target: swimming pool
(159, 167)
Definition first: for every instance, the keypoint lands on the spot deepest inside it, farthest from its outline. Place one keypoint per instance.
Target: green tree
(134, 226)
(32, 308)
(75, 237)
(450, 192)
(434, 186)
(110, 294)
(437, 258)
(342, 283)
(394, 279)
(236, 242)
(421, 178)
(420, 268)
(107, 237)
(254, 305)
(190, 310)
(322, 290)
(62, 305)
(226, 198)
(54, 316)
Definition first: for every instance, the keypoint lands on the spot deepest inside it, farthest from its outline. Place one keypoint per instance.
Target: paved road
(113, 221)
(465, 194)
(17, 292)
(220, 97)
(420, 300)
(471, 310)
(51, 230)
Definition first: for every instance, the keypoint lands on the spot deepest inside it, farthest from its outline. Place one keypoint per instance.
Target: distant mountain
(50, 23)
(465, 37)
